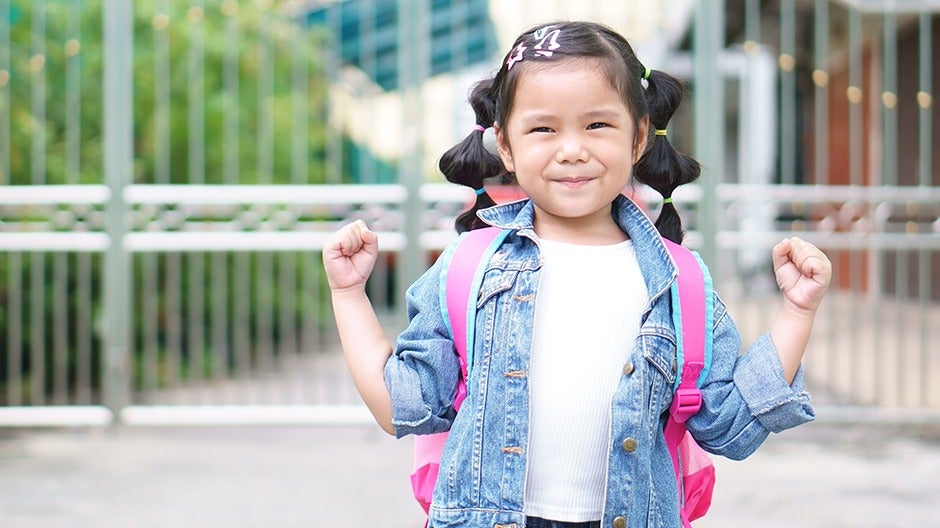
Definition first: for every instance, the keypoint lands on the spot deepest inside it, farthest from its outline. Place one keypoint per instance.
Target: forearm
(366, 349)
(790, 335)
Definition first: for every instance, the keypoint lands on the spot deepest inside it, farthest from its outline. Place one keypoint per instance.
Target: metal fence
(170, 170)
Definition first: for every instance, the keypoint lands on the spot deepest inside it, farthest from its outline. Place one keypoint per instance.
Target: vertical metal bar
(73, 94)
(300, 94)
(168, 363)
(173, 319)
(118, 162)
(367, 61)
(15, 329)
(83, 340)
(264, 270)
(197, 174)
(925, 170)
(821, 149)
(412, 69)
(14, 317)
(854, 96)
(153, 278)
(60, 325)
(149, 301)
(821, 93)
(83, 275)
(889, 100)
(72, 166)
(37, 326)
(5, 112)
(709, 118)
(221, 343)
(332, 54)
(787, 62)
(37, 66)
(752, 22)
(37, 272)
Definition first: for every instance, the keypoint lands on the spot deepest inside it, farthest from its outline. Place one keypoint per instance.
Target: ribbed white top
(587, 316)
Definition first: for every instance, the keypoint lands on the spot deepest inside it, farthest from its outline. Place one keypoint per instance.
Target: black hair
(660, 166)
(469, 163)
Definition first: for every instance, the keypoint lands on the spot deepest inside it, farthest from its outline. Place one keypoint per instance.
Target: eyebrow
(594, 114)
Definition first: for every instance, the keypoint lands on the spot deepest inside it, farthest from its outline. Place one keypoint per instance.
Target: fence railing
(162, 197)
(229, 308)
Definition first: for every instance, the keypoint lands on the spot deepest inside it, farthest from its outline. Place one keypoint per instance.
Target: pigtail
(469, 162)
(662, 167)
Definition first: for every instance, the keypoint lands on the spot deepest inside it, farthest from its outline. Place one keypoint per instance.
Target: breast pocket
(659, 349)
(495, 281)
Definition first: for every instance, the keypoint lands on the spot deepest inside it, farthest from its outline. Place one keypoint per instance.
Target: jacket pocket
(659, 349)
(495, 281)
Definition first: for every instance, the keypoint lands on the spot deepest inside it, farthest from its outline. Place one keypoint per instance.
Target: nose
(571, 149)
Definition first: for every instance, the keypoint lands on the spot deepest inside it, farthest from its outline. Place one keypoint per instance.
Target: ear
(502, 145)
(642, 135)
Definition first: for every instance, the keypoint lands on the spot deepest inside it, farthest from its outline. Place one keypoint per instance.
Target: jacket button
(619, 522)
(628, 368)
(629, 445)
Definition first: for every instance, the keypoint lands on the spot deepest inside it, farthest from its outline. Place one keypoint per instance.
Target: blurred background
(170, 169)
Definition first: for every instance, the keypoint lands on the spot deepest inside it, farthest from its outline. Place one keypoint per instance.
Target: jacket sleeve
(423, 372)
(745, 396)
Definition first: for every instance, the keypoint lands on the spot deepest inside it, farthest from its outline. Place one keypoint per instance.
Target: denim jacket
(483, 468)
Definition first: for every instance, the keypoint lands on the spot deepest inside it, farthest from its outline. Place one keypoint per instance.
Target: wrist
(355, 291)
(793, 311)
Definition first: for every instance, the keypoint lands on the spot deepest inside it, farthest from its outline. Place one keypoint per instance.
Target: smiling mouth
(573, 182)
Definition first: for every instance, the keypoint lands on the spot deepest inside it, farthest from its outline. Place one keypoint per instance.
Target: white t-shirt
(587, 317)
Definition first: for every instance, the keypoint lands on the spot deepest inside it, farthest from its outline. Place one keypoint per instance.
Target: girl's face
(571, 143)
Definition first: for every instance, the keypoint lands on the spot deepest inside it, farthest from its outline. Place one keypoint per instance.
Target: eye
(595, 126)
(541, 129)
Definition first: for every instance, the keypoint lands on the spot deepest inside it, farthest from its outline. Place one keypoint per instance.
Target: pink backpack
(695, 472)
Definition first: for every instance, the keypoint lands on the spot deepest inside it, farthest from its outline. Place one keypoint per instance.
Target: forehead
(565, 85)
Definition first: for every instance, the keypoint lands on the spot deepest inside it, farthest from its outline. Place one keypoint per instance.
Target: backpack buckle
(685, 403)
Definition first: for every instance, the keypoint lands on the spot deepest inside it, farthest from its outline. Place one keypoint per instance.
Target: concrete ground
(818, 475)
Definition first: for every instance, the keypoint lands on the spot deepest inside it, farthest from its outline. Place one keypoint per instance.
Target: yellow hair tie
(661, 132)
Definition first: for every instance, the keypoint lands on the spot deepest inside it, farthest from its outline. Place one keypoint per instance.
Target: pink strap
(460, 272)
(687, 399)
(692, 313)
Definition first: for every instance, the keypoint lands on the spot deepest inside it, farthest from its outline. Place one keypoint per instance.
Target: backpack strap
(693, 306)
(461, 283)
(692, 315)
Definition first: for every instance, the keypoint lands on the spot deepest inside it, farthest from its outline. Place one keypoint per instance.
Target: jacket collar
(659, 270)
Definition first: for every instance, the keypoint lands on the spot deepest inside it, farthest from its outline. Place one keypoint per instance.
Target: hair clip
(515, 56)
(541, 36)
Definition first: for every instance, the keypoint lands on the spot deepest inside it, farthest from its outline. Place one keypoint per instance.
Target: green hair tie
(646, 74)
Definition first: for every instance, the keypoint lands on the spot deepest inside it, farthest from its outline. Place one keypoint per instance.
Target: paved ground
(815, 476)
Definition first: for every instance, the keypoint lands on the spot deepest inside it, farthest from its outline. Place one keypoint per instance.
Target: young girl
(575, 355)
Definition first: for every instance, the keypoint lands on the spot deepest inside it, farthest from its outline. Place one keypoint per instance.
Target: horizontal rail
(200, 415)
(56, 416)
(54, 241)
(54, 194)
(211, 241)
(250, 194)
(855, 241)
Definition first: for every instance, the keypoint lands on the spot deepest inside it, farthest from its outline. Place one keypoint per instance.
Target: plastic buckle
(685, 403)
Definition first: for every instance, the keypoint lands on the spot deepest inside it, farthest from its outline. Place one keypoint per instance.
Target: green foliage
(229, 92)
(230, 68)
